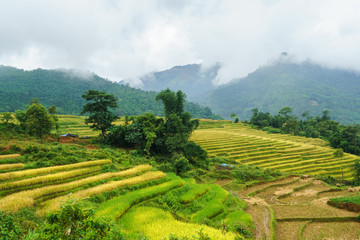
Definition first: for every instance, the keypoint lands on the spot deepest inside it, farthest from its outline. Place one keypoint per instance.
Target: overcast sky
(127, 38)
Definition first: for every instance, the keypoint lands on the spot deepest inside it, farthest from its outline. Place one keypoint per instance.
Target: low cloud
(127, 39)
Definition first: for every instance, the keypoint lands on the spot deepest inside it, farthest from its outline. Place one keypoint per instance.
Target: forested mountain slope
(303, 87)
(191, 79)
(63, 88)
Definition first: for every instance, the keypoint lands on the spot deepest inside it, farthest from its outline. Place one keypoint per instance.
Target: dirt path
(260, 213)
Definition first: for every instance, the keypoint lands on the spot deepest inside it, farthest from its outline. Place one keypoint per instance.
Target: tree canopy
(98, 107)
(163, 137)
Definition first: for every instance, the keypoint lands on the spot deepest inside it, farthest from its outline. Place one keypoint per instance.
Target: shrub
(181, 165)
(8, 228)
(74, 221)
(196, 154)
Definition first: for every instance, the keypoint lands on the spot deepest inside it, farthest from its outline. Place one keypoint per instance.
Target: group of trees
(346, 137)
(63, 88)
(167, 136)
(151, 135)
(35, 120)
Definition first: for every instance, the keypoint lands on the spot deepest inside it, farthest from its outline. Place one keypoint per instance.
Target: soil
(260, 213)
(287, 230)
(307, 192)
(222, 182)
(332, 231)
(306, 203)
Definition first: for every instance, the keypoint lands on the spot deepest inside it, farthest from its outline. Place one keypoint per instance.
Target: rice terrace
(146, 202)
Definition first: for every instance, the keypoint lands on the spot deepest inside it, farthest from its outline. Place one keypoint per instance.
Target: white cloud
(128, 38)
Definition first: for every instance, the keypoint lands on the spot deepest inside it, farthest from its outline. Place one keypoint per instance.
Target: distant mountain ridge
(191, 79)
(63, 88)
(302, 86)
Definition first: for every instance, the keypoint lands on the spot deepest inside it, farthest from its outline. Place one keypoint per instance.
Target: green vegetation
(98, 104)
(339, 136)
(126, 186)
(63, 89)
(277, 152)
(352, 199)
(165, 138)
(301, 86)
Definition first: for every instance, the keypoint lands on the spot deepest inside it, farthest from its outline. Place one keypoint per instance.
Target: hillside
(303, 87)
(191, 79)
(254, 199)
(63, 88)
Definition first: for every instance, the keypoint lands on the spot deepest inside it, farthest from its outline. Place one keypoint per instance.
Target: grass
(4, 167)
(16, 201)
(195, 191)
(277, 151)
(240, 217)
(158, 224)
(116, 207)
(49, 178)
(352, 199)
(54, 204)
(213, 207)
(38, 171)
(9, 156)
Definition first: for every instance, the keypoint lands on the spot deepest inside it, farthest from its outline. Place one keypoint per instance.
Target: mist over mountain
(63, 88)
(191, 79)
(302, 86)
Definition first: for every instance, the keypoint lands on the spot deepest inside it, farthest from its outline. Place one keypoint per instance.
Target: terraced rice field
(274, 151)
(300, 209)
(75, 125)
(49, 187)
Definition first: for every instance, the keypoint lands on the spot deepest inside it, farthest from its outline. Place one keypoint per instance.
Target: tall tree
(98, 107)
(178, 125)
(38, 122)
(173, 103)
(52, 111)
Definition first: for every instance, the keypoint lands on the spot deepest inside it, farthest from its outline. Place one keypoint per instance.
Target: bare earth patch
(261, 216)
(222, 182)
(332, 231)
(288, 230)
(307, 192)
(318, 209)
(282, 191)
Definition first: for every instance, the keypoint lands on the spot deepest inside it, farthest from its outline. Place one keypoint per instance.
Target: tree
(173, 103)
(21, 117)
(38, 122)
(236, 118)
(98, 108)
(178, 124)
(52, 111)
(7, 117)
(339, 153)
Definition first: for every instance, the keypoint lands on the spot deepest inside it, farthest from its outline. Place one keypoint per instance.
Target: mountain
(303, 87)
(191, 79)
(63, 88)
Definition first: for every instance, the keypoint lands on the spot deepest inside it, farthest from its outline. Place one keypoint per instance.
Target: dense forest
(301, 86)
(63, 88)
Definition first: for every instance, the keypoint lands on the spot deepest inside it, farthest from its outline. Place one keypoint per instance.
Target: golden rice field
(76, 125)
(274, 151)
(49, 187)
